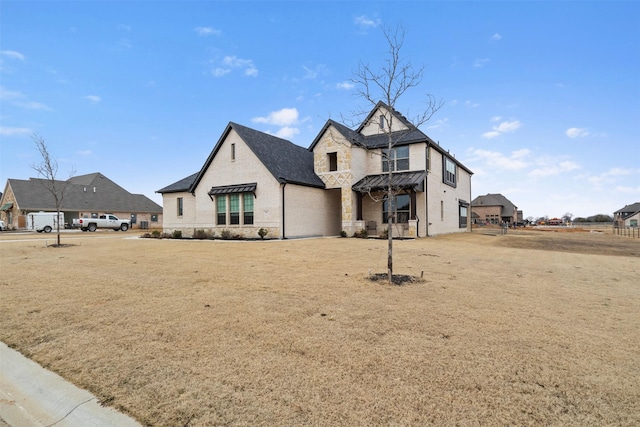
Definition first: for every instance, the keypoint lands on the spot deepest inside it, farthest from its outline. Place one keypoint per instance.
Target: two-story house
(253, 180)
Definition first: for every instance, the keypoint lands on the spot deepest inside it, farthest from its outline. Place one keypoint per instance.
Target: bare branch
(48, 170)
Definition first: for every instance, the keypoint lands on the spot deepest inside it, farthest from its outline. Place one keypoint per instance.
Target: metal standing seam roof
(231, 189)
(413, 180)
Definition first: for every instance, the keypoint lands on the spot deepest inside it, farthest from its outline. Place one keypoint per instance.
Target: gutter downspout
(426, 204)
(470, 214)
(284, 184)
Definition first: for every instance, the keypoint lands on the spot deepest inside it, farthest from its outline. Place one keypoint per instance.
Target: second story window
(449, 170)
(397, 159)
(233, 151)
(332, 159)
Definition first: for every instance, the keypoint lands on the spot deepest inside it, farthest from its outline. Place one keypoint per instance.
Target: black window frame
(449, 177)
(394, 160)
(402, 215)
(332, 160)
(180, 206)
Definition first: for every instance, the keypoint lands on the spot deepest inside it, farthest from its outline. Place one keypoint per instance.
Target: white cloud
(287, 132)
(283, 117)
(502, 128)
(9, 131)
(471, 104)
(496, 118)
(441, 123)
(506, 127)
(94, 99)
(345, 85)
(553, 167)
(496, 160)
(32, 105)
(21, 100)
(125, 43)
(496, 36)
(85, 152)
(12, 54)
(479, 63)
(365, 22)
(219, 72)
(229, 63)
(207, 31)
(577, 132)
(491, 134)
(627, 190)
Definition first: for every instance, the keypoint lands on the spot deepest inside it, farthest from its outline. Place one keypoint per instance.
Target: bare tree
(48, 170)
(389, 83)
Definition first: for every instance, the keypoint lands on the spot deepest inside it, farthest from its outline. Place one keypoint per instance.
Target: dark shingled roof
(91, 192)
(495, 200)
(628, 210)
(287, 162)
(404, 137)
(181, 186)
(403, 180)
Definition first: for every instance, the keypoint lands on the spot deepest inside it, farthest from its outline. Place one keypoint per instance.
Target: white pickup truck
(103, 221)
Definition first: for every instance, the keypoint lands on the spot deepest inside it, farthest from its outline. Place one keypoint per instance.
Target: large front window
(397, 159)
(234, 207)
(402, 208)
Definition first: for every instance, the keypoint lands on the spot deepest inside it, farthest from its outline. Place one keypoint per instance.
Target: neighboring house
(86, 196)
(629, 216)
(495, 209)
(253, 180)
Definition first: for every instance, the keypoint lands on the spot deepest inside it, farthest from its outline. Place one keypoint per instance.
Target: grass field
(532, 328)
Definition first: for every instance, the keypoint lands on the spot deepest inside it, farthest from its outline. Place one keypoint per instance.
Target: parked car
(3, 226)
(104, 221)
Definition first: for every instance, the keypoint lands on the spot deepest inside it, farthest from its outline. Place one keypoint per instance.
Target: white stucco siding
(244, 169)
(311, 211)
(171, 219)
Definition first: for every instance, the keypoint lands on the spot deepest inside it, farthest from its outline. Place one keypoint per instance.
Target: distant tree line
(567, 218)
(595, 218)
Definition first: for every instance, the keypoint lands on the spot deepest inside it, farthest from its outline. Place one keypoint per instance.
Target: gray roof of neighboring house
(287, 162)
(91, 192)
(508, 208)
(180, 186)
(629, 209)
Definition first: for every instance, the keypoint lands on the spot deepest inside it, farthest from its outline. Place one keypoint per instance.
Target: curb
(31, 396)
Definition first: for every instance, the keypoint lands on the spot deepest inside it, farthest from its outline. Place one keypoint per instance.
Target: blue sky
(542, 99)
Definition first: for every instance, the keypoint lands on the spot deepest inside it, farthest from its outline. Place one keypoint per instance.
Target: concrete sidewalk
(31, 396)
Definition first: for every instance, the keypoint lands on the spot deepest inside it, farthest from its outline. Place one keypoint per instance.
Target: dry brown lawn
(524, 329)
